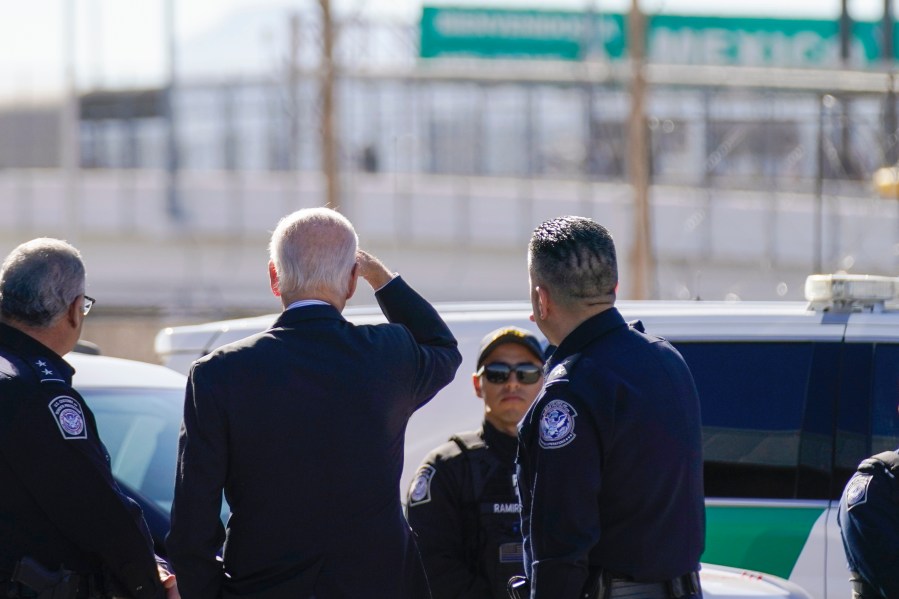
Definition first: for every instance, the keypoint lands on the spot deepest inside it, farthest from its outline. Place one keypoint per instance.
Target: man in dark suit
(302, 426)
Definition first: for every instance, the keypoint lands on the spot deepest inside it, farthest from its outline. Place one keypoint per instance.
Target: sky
(122, 44)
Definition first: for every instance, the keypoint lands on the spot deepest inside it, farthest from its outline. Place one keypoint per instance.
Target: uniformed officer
(462, 503)
(869, 525)
(66, 527)
(610, 456)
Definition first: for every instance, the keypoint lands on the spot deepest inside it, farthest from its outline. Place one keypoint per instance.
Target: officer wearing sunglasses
(462, 503)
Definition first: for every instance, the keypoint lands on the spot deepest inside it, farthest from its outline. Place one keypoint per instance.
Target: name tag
(506, 508)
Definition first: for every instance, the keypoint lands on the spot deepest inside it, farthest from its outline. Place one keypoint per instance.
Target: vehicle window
(140, 429)
(853, 435)
(753, 398)
(884, 414)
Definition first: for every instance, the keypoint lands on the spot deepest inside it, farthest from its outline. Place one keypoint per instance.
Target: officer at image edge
(462, 502)
(609, 467)
(869, 526)
(67, 529)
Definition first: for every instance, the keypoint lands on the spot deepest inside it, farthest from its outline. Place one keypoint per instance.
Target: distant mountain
(248, 42)
(253, 42)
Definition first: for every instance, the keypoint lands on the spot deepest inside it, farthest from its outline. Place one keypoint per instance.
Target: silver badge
(557, 424)
(69, 417)
(420, 492)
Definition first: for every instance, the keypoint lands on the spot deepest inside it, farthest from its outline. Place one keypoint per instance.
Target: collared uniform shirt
(869, 525)
(610, 462)
(59, 503)
(464, 511)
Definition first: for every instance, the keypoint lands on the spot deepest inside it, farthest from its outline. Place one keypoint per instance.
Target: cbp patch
(69, 417)
(557, 424)
(857, 491)
(420, 491)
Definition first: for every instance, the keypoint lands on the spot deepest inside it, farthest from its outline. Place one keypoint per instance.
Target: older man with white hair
(302, 426)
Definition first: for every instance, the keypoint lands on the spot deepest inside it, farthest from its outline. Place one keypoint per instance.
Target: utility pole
(846, 158)
(69, 125)
(173, 199)
(890, 151)
(642, 263)
(329, 121)
(293, 82)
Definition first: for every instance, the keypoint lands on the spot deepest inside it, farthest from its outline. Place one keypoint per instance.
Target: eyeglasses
(499, 372)
(88, 304)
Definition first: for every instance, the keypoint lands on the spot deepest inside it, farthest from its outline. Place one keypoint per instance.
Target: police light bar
(842, 291)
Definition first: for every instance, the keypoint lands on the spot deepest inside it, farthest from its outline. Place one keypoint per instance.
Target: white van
(793, 396)
(138, 409)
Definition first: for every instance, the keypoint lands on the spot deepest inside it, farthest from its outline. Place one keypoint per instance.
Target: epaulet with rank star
(559, 374)
(45, 373)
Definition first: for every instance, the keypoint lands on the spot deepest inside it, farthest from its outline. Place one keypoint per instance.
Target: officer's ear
(478, 390)
(75, 311)
(273, 279)
(543, 302)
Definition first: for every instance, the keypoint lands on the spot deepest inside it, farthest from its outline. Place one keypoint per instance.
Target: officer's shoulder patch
(857, 491)
(420, 491)
(69, 417)
(557, 424)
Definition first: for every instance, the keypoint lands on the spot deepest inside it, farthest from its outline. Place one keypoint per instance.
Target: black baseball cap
(522, 337)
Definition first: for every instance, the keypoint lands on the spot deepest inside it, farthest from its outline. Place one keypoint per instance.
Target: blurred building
(458, 135)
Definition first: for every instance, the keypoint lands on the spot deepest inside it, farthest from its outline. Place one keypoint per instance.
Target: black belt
(613, 587)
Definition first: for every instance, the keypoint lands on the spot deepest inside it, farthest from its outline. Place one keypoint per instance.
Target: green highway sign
(571, 35)
(503, 33)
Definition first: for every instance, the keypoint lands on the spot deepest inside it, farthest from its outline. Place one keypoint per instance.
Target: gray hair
(39, 280)
(313, 249)
(575, 257)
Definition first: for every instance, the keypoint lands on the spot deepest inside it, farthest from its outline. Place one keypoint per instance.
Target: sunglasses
(499, 372)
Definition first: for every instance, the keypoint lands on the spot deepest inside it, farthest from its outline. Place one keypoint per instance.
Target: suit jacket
(303, 427)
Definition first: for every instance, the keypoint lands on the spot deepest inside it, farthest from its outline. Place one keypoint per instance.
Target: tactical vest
(497, 547)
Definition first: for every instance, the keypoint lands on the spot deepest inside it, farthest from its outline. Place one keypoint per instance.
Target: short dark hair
(38, 281)
(575, 257)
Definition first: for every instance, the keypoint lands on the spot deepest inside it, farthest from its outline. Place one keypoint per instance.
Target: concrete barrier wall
(453, 238)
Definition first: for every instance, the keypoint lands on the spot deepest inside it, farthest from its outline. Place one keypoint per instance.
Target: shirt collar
(46, 363)
(589, 330)
(505, 445)
(306, 302)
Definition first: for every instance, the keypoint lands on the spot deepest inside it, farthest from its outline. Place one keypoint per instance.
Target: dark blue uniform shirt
(610, 462)
(869, 524)
(59, 503)
(463, 508)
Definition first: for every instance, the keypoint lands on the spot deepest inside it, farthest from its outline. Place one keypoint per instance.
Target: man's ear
(476, 381)
(543, 302)
(75, 311)
(354, 278)
(273, 279)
